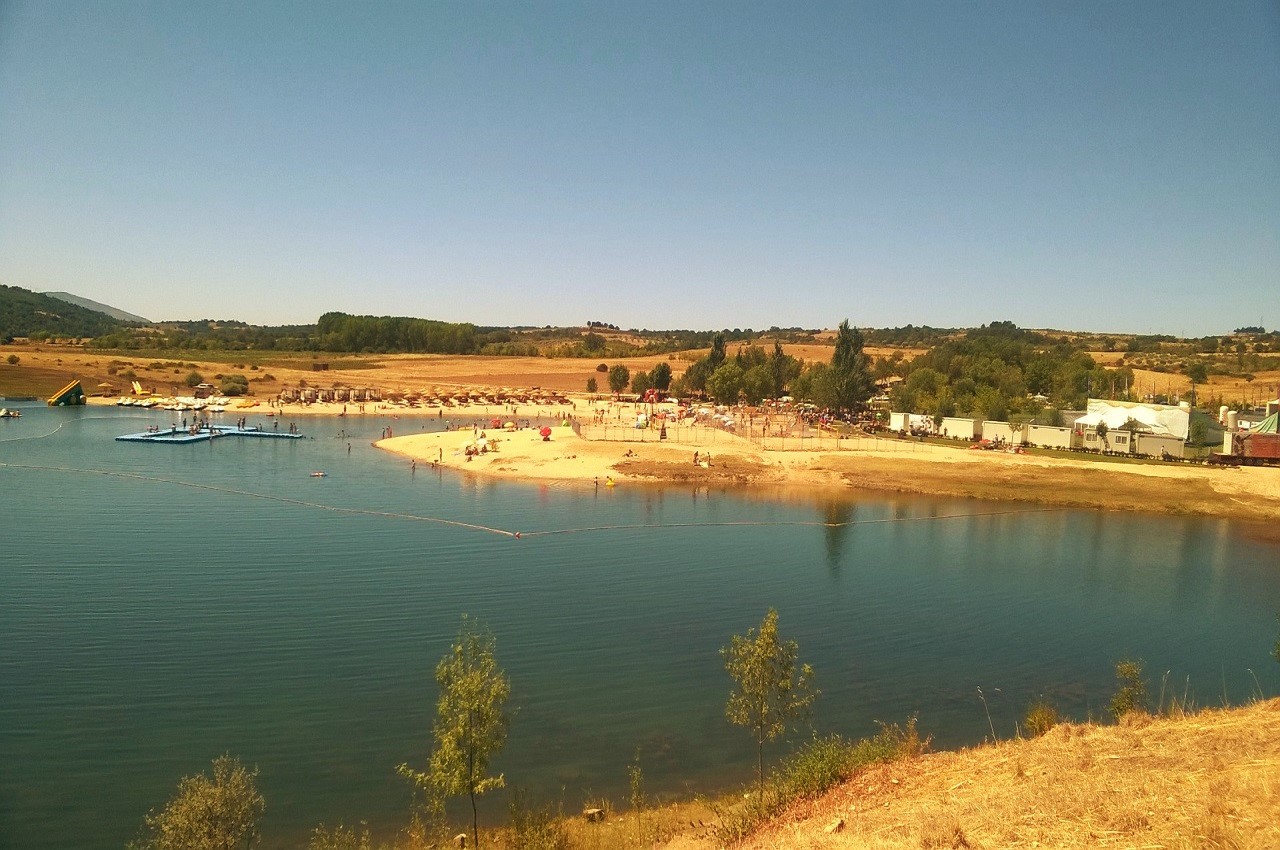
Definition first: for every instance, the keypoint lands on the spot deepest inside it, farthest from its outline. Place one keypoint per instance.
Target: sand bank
(1250, 493)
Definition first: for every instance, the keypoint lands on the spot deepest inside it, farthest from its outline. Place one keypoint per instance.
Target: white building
(1051, 436)
(909, 421)
(960, 428)
(1009, 433)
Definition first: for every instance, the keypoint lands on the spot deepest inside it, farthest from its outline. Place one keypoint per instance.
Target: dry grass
(1208, 780)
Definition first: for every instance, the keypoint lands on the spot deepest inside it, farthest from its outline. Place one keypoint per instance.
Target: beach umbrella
(545, 431)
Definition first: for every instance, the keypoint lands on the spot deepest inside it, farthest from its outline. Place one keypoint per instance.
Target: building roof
(1270, 425)
(1161, 420)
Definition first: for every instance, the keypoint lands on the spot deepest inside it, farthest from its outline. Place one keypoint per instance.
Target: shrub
(1041, 716)
(13, 359)
(602, 368)
(235, 385)
(814, 768)
(339, 838)
(1132, 695)
(194, 378)
(536, 827)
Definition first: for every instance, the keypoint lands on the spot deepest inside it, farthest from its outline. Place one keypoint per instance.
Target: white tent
(1161, 420)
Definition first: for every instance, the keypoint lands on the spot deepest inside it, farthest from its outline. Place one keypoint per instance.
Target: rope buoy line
(281, 499)
(517, 535)
(60, 427)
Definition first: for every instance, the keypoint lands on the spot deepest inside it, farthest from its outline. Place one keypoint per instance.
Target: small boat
(6, 413)
(319, 475)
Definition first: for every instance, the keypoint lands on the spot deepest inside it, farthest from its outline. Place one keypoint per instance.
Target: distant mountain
(113, 312)
(27, 313)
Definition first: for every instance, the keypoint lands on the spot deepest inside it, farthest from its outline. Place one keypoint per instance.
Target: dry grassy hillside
(1200, 781)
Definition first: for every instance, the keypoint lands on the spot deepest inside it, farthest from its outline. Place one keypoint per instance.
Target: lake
(161, 605)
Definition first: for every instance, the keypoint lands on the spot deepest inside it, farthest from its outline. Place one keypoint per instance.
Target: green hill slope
(27, 313)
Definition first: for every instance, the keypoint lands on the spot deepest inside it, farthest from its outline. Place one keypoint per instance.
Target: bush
(534, 827)
(1132, 695)
(816, 767)
(1041, 716)
(339, 838)
(194, 378)
(13, 360)
(235, 385)
(602, 368)
(218, 811)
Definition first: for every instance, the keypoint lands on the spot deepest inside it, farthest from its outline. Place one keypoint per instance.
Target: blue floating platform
(181, 436)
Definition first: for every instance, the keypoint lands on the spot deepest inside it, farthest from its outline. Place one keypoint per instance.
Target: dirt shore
(876, 465)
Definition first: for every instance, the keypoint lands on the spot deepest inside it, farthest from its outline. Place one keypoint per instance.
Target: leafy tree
(1132, 694)
(194, 378)
(1197, 371)
(757, 383)
(783, 369)
(593, 343)
(851, 382)
(661, 377)
(619, 377)
(471, 724)
(641, 383)
(717, 355)
(218, 813)
(725, 383)
(592, 386)
(769, 694)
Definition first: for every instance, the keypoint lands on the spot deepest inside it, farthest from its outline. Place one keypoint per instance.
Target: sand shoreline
(1247, 494)
(874, 466)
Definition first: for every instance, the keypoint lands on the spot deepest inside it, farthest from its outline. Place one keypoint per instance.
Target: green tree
(641, 383)
(725, 383)
(471, 721)
(593, 343)
(1132, 693)
(619, 377)
(717, 355)
(208, 813)
(851, 382)
(661, 377)
(592, 386)
(769, 693)
(194, 378)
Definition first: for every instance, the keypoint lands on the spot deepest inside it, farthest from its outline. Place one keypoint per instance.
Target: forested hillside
(24, 313)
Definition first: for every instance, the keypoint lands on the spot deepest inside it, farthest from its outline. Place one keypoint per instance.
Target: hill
(1202, 780)
(33, 314)
(88, 304)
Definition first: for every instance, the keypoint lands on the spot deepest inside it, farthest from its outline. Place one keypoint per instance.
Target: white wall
(1003, 431)
(960, 428)
(1049, 436)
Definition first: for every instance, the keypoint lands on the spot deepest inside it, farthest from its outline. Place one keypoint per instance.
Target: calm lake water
(147, 627)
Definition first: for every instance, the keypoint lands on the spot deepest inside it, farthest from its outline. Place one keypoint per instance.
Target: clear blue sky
(1094, 165)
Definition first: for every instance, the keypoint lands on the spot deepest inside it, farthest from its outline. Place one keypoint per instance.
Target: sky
(1078, 165)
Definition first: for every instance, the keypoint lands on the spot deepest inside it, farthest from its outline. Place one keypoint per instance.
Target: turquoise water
(147, 627)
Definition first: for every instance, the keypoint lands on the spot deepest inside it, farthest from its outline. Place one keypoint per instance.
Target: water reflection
(836, 514)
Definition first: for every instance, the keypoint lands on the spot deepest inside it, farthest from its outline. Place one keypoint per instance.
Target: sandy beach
(872, 465)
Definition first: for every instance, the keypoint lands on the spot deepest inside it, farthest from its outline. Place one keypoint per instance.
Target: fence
(799, 437)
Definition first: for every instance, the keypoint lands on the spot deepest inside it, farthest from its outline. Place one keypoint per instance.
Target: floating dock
(182, 436)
